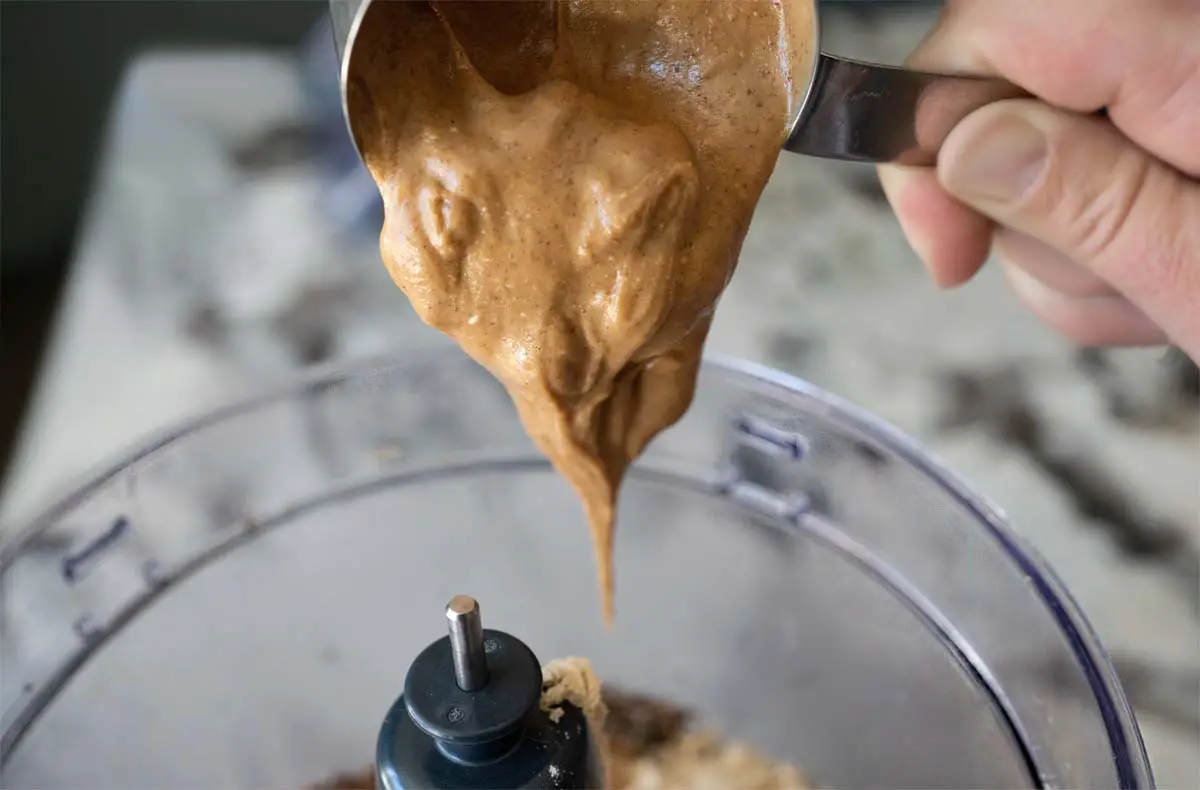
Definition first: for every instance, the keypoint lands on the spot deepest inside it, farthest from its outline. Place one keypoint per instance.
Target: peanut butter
(566, 189)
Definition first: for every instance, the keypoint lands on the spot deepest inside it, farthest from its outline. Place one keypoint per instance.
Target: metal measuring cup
(850, 110)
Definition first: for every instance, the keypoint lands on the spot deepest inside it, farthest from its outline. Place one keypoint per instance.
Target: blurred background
(184, 221)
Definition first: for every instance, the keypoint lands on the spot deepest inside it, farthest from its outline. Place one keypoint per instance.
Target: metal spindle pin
(466, 643)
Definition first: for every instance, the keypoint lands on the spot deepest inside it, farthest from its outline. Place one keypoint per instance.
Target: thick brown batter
(567, 187)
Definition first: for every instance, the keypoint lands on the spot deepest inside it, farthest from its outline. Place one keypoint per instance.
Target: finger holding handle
(1079, 186)
(1139, 62)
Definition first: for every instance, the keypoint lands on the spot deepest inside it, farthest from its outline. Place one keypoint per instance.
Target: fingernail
(998, 162)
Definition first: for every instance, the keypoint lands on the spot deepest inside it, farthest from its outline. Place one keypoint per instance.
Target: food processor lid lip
(1133, 770)
(1128, 748)
(87, 483)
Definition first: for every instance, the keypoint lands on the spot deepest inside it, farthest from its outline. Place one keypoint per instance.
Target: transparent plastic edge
(1129, 753)
(1120, 723)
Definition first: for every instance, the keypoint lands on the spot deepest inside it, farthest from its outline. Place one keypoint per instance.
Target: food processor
(238, 602)
(471, 717)
(258, 597)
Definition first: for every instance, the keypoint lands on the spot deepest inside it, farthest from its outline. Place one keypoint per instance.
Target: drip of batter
(566, 190)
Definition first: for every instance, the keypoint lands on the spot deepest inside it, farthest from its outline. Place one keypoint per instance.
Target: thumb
(1075, 183)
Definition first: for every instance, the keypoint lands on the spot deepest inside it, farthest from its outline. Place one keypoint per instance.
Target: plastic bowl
(236, 604)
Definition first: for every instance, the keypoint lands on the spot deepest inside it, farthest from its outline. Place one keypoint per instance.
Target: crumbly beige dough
(701, 761)
(572, 680)
(643, 743)
(566, 188)
(647, 745)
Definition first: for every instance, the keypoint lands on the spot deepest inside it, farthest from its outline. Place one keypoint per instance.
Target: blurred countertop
(209, 173)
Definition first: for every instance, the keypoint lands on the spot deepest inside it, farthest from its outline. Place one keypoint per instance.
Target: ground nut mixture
(644, 744)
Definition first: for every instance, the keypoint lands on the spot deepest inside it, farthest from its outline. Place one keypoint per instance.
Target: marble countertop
(1094, 455)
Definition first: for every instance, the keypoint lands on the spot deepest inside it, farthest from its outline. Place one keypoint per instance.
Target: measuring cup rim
(346, 26)
(804, 99)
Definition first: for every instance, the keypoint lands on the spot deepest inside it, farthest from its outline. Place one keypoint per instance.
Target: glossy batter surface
(566, 188)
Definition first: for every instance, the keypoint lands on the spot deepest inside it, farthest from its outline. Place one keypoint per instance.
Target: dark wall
(60, 61)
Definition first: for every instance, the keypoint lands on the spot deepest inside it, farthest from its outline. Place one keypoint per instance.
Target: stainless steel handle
(855, 111)
(865, 112)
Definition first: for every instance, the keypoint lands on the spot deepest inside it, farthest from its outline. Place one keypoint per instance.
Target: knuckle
(1179, 124)
(1137, 228)
(1099, 220)
(1158, 256)
(1178, 261)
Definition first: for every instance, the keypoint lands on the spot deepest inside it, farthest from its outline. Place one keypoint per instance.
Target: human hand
(1096, 221)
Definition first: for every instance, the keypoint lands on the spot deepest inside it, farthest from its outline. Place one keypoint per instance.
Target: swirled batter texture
(567, 187)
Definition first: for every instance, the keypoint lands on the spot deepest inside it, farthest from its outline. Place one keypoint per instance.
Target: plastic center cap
(464, 721)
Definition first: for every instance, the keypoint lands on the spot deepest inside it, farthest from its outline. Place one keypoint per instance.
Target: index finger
(1138, 59)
